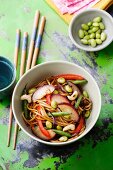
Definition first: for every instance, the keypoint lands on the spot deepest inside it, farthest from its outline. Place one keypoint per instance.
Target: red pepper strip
(80, 126)
(48, 99)
(39, 108)
(43, 130)
(70, 76)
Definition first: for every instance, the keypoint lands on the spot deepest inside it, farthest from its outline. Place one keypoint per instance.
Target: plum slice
(59, 98)
(36, 130)
(42, 91)
(65, 107)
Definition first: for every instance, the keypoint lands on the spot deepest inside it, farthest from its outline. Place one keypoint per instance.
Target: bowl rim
(4, 59)
(58, 62)
(98, 48)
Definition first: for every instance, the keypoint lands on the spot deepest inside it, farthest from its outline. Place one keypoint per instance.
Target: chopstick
(22, 68)
(32, 57)
(17, 45)
(33, 38)
(38, 41)
(24, 49)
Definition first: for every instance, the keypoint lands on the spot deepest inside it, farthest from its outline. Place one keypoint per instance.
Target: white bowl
(42, 71)
(85, 17)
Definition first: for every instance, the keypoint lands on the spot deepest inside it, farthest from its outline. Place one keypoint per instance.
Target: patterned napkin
(66, 13)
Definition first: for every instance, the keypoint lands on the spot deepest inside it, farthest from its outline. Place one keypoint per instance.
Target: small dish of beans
(92, 33)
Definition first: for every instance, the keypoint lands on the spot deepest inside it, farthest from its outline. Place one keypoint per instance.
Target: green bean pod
(79, 81)
(78, 101)
(24, 103)
(59, 114)
(61, 133)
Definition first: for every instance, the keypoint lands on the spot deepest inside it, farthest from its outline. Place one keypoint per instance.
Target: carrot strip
(70, 76)
(48, 99)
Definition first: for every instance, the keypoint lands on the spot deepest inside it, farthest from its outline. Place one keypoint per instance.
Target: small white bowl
(42, 71)
(85, 17)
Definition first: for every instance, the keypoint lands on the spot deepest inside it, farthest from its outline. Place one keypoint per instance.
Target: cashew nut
(69, 127)
(73, 96)
(26, 97)
(63, 139)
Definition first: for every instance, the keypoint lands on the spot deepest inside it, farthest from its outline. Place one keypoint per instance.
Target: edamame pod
(32, 90)
(99, 41)
(89, 23)
(84, 41)
(103, 36)
(81, 33)
(87, 37)
(99, 31)
(87, 114)
(90, 31)
(97, 19)
(53, 104)
(91, 26)
(85, 94)
(98, 35)
(94, 29)
(85, 32)
(93, 42)
(95, 24)
(85, 26)
(102, 26)
(92, 35)
(89, 41)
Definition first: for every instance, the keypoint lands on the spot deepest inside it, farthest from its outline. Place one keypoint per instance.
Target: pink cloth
(72, 6)
(70, 2)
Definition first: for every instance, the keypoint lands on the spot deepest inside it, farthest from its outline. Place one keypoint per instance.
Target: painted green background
(95, 150)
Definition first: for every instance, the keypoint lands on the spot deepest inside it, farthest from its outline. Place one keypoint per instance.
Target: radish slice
(74, 87)
(59, 99)
(65, 107)
(36, 130)
(42, 91)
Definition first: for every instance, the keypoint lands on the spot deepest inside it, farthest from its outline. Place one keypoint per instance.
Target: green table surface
(95, 150)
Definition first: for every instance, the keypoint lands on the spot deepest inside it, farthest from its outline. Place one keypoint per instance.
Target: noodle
(41, 110)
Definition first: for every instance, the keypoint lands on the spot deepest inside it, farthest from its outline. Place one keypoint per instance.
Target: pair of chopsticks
(31, 61)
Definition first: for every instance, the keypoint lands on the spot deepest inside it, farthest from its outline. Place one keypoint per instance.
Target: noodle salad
(56, 109)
